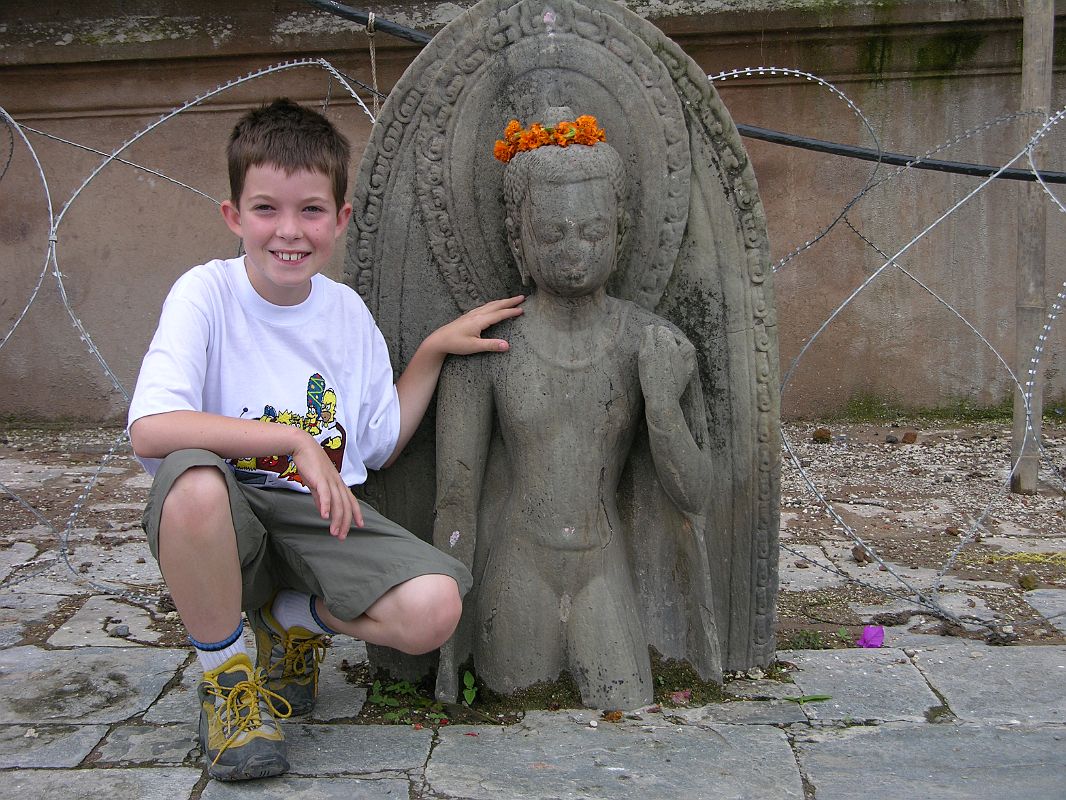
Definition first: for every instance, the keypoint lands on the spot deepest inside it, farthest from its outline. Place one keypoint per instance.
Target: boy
(265, 395)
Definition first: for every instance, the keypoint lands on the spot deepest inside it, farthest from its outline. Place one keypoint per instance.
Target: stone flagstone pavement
(928, 718)
(94, 704)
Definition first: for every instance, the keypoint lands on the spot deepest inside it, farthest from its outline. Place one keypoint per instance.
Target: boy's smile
(289, 224)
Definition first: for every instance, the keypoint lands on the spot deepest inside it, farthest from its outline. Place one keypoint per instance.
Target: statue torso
(568, 405)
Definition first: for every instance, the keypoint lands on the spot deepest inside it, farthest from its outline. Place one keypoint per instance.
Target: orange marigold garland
(584, 130)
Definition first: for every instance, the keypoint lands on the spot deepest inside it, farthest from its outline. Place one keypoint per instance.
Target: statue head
(565, 214)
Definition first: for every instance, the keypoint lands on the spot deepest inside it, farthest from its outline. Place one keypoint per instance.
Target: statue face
(570, 235)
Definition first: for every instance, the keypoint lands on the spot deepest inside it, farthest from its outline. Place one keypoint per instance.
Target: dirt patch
(919, 495)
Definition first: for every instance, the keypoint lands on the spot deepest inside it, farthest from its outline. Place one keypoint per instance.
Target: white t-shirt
(321, 365)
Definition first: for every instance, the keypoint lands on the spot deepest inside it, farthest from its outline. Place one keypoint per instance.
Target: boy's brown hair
(292, 137)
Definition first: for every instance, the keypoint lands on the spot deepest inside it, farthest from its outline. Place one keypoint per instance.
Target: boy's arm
(460, 337)
(159, 435)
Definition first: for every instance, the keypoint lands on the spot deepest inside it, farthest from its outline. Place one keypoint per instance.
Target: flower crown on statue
(584, 130)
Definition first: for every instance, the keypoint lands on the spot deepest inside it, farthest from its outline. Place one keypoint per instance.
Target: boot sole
(255, 767)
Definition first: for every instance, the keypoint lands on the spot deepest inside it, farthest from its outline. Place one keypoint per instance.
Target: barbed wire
(141, 167)
(908, 591)
(14, 126)
(10, 148)
(766, 72)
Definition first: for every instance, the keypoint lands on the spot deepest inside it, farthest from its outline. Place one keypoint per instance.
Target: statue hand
(666, 364)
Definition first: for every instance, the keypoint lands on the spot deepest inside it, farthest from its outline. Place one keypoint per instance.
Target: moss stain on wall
(875, 56)
(946, 53)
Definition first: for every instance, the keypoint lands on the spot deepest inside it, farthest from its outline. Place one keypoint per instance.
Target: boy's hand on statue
(332, 497)
(666, 364)
(462, 336)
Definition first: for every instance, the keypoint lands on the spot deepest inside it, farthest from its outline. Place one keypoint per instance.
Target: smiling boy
(265, 396)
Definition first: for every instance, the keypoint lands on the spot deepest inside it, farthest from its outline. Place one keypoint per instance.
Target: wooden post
(1038, 29)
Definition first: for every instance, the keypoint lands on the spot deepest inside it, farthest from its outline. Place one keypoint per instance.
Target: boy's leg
(381, 584)
(414, 617)
(198, 554)
(190, 521)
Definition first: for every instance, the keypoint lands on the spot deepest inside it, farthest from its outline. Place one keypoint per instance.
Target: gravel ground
(902, 502)
(913, 494)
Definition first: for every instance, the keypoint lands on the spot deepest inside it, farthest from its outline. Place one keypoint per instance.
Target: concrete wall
(922, 72)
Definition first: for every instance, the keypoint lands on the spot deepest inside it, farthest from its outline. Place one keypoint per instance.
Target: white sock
(296, 608)
(213, 655)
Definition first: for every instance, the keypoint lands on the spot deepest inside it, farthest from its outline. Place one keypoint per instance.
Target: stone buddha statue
(585, 375)
(613, 479)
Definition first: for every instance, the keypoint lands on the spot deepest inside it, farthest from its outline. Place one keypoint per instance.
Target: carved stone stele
(428, 241)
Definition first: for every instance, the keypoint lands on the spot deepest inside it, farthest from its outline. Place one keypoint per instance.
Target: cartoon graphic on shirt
(320, 421)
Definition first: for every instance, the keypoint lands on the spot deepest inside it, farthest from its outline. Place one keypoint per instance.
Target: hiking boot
(289, 659)
(239, 732)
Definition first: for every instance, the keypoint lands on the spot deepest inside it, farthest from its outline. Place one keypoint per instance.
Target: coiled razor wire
(912, 594)
(759, 72)
(930, 600)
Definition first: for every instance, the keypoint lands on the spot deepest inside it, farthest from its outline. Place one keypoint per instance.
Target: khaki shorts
(282, 542)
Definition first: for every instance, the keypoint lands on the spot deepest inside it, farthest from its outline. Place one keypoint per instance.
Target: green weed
(404, 704)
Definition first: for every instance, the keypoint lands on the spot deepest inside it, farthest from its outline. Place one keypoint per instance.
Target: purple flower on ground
(872, 636)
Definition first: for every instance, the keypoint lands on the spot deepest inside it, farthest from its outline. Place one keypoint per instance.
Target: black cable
(752, 132)
(866, 154)
(362, 17)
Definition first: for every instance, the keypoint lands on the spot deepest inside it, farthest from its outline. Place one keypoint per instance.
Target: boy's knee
(195, 499)
(431, 613)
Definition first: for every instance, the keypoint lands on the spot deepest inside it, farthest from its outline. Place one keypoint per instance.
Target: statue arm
(464, 427)
(667, 365)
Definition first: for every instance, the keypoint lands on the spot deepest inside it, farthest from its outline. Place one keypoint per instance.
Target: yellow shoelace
(295, 662)
(244, 697)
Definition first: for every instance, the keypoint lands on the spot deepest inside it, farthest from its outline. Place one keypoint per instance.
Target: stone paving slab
(863, 684)
(96, 685)
(337, 698)
(1051, 603)
(999, 685)
(355, 749)
(840, 554)
(763, 689)
(150, 745)
(100, 784)
(53, 746)
(21, 474)
(128, 564)
(18, 553)
(19, 610)
(142, 480)
(179, 703)
(133, 509)
(941, 762)
(544, 758)
(55, 581)
(1033, 543)
(744, 712)
(816, 572)
(289, 788)
(94, 623)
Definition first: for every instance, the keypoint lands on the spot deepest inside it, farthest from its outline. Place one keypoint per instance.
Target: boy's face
(570, 235)
(289, 224)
